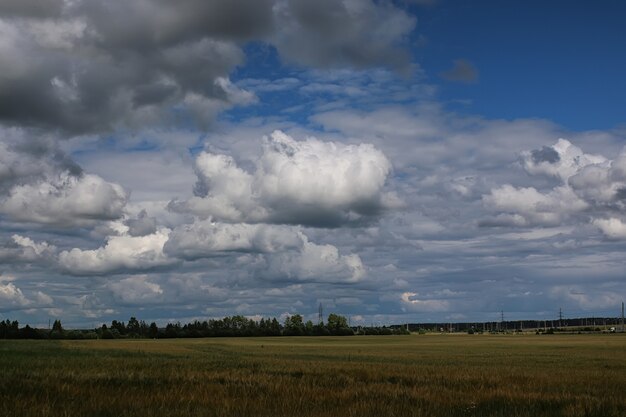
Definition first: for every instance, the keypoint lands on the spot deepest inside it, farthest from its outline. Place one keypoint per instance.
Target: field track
(417, 375)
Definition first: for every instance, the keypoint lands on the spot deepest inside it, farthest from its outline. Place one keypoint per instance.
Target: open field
(426, 375)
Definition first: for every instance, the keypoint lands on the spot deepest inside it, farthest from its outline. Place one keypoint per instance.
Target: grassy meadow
(417, 375)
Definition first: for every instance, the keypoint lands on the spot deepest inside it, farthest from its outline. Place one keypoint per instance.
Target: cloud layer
(195, 159)
(206, 239)
(94, 66)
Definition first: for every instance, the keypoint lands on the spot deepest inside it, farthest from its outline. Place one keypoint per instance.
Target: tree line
(232, 326)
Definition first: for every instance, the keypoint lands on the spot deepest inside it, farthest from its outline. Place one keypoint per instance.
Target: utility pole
(502, 320)
(560, 316)
(622, 321)
(320, 314)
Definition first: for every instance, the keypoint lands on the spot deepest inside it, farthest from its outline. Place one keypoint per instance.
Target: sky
(396, 161)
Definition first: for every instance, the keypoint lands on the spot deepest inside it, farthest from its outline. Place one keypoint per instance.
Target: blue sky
(558, 60)
(396, 161)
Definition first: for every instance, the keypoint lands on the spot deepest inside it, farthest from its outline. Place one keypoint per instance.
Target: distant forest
(233, 326)
(336, 325)
(586, 324)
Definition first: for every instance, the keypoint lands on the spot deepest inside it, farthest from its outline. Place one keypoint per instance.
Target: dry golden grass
(428, 375)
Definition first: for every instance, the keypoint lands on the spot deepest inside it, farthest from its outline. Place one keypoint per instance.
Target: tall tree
(294, 326)
(133, 328)
(338, 325)
(57, 330)
(57, 327)
(153, 331)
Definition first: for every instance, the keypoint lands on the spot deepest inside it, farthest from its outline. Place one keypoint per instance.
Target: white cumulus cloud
(40, 183)
(24, 249)
(602, 185)
(308, 182)
(410, 302)
(525, 206)
(120, 254)
(65, 200)
(136, 290)
(613, 228)
(561, 160)
(315, 263)
(589, 184)
(11, 296)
